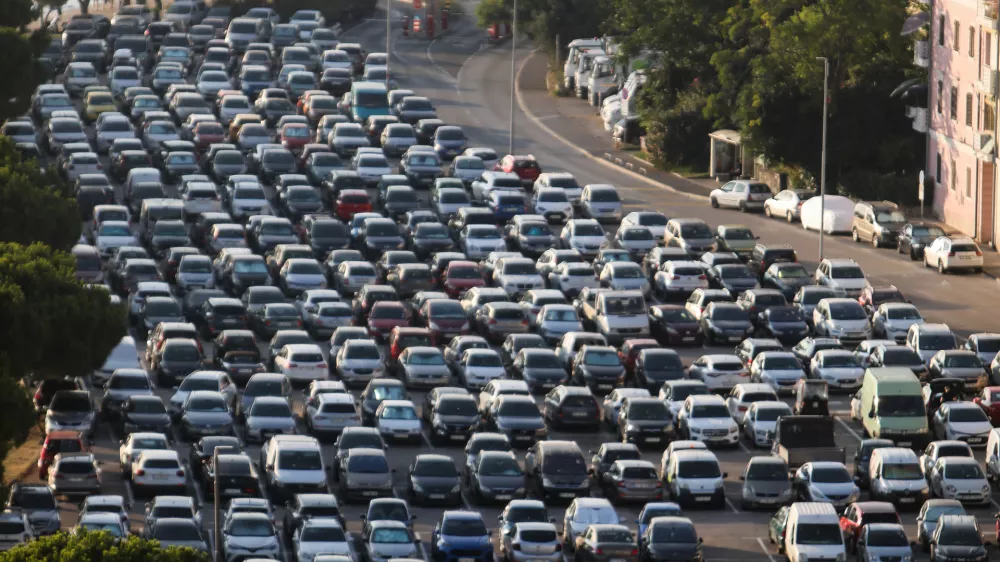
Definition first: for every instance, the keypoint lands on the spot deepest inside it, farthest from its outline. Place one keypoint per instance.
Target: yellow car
(96, 104)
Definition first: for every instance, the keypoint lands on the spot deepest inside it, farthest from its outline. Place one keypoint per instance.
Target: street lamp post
(215, 498)
(513, 47)
(388, 38)
(822, 163)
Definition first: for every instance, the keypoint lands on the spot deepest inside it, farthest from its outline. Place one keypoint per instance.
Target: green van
(892, 407)
(367, 99)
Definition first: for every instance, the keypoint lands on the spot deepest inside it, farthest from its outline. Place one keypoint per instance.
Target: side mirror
(700, 540)
(725, 475)
(393, 471)
(857, 480)
(742, 477)
(363, 517)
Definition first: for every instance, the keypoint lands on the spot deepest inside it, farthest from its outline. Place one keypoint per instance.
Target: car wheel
(767, 211)
(715, 203)
(876, 242)
(743, 206)
(789, 217)
(941, 269)
(855, 236)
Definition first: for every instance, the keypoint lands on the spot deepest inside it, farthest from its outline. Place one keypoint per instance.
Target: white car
(706, 418)
(517, 275)
(335, 58)
(477, 367)
(114, 504)
(501, 387)
(655, 221)
(778, 369)
(940, 449)
(478, 240)
(841, 318)
(844, 276)
(573, 277)
(155, 471)
(787, 204)
(742, 396)
(135, 444)
(301, 362)
(210, 82)
(624, 276)
(217, 381)
(250, 535)
(269, 415)
(959, 478)
(954, 253)
(121, 78)
(744, 195)
(584, 235)
(675, 392)
(694, 475)
(398, 419)
(892, 320)
(583, 513)
(840, 368)
(553, 203)
(720, 371)
(962, 421)
(679, 278)
(761, 420)
(112, 235)
(97, 521)
(554, 320)
(331, 413)
(371, 167)
(563, 181)
(320, 536)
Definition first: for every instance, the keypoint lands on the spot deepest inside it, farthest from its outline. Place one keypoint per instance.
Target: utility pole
(388, 38)
(513, 47)
(822, 160)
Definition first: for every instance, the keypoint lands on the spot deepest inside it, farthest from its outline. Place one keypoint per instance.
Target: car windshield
(963, 361)
(899, 355)
(370, 99)
(847, 272)
(250, 266)
(500, 465)
(325, 533)
(456, 407)
(463, 527)
(935, 512)
(300, 460)
(902, 471)
(251, 528)
(819, 533)
(974, 414)
(368, 464)
(927, 232)
(785, 314)
(903, 313)
(730, 314)
(387, 392)
(263, 388)
(625, 305)
(602, 358)
(653, 410)
(566, 464)
(693, 469)
(896, 217)
(937, 341)
(587, 229)
(391, 536)
(960, 535)
(178, 532)
(484, 233)
(213, 404)
(847, 311)
(771, 414)
(782, 362)
(270, 410)
(398, 413)
(695, 231)
(830, 475)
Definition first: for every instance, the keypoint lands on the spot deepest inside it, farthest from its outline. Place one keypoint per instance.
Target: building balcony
(989, 78)
(921, 118)
(922, 53)
(988, 13)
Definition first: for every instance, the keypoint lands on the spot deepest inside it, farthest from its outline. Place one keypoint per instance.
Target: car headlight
(986, 489)
(456, 489)
(631, 427)
(733, 429)
(694, 430)
(417, 487)
(546, 482)
(668, 428)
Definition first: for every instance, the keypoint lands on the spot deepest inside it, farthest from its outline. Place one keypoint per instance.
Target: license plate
(903, 444)
(653, 439)
(457, 437)
(466, 560)
(906, 500)
(436, 496)
(604, 386)
(246, 371)
(976, 440)
(579, 414)
(231, 491)
(735, 339)
(504, 496)
(703, 499)
(159, 477)
(369, 494)
(617, 560)
(688, 338)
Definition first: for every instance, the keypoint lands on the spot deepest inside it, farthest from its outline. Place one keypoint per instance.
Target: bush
(874, 186)
(680, 136)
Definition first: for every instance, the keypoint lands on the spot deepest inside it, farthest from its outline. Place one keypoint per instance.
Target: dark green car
(776, 529)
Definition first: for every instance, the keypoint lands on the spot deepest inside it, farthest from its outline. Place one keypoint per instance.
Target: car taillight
(599, 551)
(292, 365)
(299, 321)
(951, 254)
(635, 552)
(140, 472)
(92, 476)
(702, 277)
(978, 252)
(248, 490)
(742, 408)
(267, 322)
(38, 395)
(492, 321)
(321, 365)
(180, 473)
(524, 322)
(558, 547)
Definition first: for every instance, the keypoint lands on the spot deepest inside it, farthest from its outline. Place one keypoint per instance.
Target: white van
(928, 339)
(293, 464)
(812, 532)
(694, 477)
(993, 455)
(137, 175)
(895, 477)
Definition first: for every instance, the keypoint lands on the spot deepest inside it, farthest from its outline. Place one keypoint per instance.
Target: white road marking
(763, 547)
(430, 57)
(423, 549)
(426, 439)
(466, 503)
(849, 429)
(732, 506)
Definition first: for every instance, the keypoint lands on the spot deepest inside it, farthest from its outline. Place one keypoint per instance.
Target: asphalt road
(469, 84)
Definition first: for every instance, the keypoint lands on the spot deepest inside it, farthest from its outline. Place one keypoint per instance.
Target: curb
(621, 168)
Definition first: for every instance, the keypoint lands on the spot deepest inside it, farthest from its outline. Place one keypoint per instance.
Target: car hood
(971, 428)
(554, 373)
(467, 542)
(208, 418)
(766, 487)
(122, 395)
(597, 371)
(252, 544)
(739, 283)
(664, 374)
(729, 324)
(194, 277)
(789, 326)
(437, 482)
(501, 482)
(392, 550)
(370, 480)
(323, 547)
(518, 422)
(432, 370)
(261, 422)
(68, 417)
(962, 372)
(711, 423)
(197, 545)
(148, 420)
(966, 552)
(673, 551)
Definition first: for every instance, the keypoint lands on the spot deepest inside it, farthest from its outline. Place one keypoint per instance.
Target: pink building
(961, 53)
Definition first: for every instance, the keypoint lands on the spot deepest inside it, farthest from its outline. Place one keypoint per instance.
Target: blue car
(655, 509)
(461, 535)
(505, 205)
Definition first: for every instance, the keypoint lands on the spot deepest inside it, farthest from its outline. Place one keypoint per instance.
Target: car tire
(767, 211)
(876, 243)
(715, 203)
(941, 269)
(789, 217)
(743, 207)
(855, 236)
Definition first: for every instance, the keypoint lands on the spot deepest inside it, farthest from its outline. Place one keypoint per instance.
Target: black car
(644, 421)
(783, 323)
(420, 168)
(355, 438)
(517, 417)
(764, 256)
(275, 162)
(47, 388)
(324, 234)
(670, 538)
(274, 109)
(155, 310)
(915, 236)
(218, 314)
(430, 238)
(451, 417)
(515, 343)
(237, 477)
(336, 81)
(299, 200)
(176, 358)
(787, 278)
(496, 476)
(433, 480)
(654, 367)
(143, 413)
(201, 451)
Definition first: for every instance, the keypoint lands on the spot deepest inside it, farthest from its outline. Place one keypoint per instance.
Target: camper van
(584, 67)
(576, 47)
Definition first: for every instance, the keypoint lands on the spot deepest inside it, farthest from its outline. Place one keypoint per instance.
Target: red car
(55, 443)
(206, 134)
(350, 202)
(859, 514)
(989, 401)
(386, 315)
(462, 276)
(630, 349)
(526, 167)
(294, 136)
(402, 338)
(445, 318)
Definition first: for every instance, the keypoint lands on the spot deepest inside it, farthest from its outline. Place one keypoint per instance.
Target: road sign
(920, 190)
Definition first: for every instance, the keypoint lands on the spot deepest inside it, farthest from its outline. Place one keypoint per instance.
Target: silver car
(194, 272)
(267, 416)
(601, 202)
(177, 532)
(766, 484)
(365, 473)
(111, 129)
(883, 541)
(359, 361)
(331, 413)
(929, 515)
(206, 412)
(388, 540)
(424, 366)
(250, 535)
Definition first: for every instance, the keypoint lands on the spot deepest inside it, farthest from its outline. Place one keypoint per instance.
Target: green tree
(489, 12)
(35, 205)
(20, 64)
(771, 83)
(50, 324)
(18, 418)
(16, 13)
(91, 547)
(545, 21)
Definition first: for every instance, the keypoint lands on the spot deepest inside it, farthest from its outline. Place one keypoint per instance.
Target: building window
(937, 168)
(940, 97)
(989, 117)
(958, 30)
(968, 110)
(954, 174)
(984, 53)
(968, 182)
(972, 41)
(941, 30)
(954, 103)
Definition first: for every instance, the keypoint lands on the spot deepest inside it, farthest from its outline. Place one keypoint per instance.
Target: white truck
(576, 47)
(583, 69)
